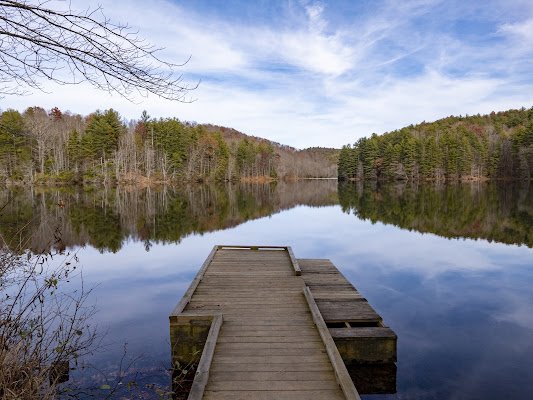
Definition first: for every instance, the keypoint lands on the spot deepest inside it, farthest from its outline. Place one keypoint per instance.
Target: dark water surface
(448, 267)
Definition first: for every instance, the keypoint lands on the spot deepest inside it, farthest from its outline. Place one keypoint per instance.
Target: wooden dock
(251, 321)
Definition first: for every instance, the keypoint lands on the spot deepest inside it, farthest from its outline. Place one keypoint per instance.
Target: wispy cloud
(325, 73)
(523, 30)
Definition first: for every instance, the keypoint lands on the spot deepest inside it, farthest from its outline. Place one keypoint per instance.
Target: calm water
(448, 267)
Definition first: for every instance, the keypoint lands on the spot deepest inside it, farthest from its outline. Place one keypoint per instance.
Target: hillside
(497, 145)
(40, 146)
(291, 163)
(328, 153)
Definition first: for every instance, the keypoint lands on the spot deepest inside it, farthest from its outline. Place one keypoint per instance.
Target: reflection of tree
(499, 211)
(102, 227)
(105, 218)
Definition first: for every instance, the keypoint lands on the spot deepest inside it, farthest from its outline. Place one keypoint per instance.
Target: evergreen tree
(344, 167)
(74, 150)
(14, 149)
(101, 134)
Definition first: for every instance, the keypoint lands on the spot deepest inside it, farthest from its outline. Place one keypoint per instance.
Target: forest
(496, 146)
(46, 147)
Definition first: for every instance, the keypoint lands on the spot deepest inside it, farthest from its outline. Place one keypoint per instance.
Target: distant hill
(40, 146)
(497, 145)
(328, 153)
(292, 163)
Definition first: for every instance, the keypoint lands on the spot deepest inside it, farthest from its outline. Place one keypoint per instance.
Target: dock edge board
(341, 373)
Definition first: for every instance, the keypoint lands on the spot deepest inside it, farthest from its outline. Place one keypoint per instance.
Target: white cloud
(523, 29)
(310, 80)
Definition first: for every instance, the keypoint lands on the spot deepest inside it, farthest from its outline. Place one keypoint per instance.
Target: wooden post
(295, 265)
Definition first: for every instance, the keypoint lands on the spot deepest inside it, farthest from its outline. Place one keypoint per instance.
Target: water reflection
(105, 218)
(495, 211)
(377, 378)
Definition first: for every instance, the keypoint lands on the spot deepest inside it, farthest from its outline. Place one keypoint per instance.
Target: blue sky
(324, 73)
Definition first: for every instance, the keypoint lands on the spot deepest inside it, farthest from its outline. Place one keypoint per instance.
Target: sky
(322, 73)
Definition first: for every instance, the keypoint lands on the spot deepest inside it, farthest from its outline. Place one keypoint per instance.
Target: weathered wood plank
(259, 321)
(343, 378)
(263, 339)
(273, 367)
(316, 353)
(272, 385)
(370, 332)
(207, 297)
(245, 311)
(347, 311)
(267, 330)
(325, 293)
(275, 395)
(188, 294)
(248, 286)
(210, 280)
(294, 262)
(231, 246)
(248, 294)
(326, 280)
(240, 305)
(202, 373)
(272, 359)
(294, 344)
(252, 351)
(232, 315)
(234, 376)
(280, 323)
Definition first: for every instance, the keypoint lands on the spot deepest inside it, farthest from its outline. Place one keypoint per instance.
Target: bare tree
(38, 127)
(44, 325)
(70, 47)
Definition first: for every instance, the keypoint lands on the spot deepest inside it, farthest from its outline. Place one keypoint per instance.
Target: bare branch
(70, 47)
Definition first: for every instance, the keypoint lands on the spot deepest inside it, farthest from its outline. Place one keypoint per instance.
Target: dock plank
(273, 367)
(329, 384)
(268, 346)
(275, 395)
(265, 376)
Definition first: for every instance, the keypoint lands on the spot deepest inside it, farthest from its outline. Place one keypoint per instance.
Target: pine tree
(101, 134)
(343, 170)
(74, 150)
(222, 158)
(14, 149)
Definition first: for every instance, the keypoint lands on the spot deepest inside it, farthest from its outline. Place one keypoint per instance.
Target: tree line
(497, 145)
(39, 146)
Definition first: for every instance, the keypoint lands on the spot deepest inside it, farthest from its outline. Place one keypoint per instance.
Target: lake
(449, 267)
